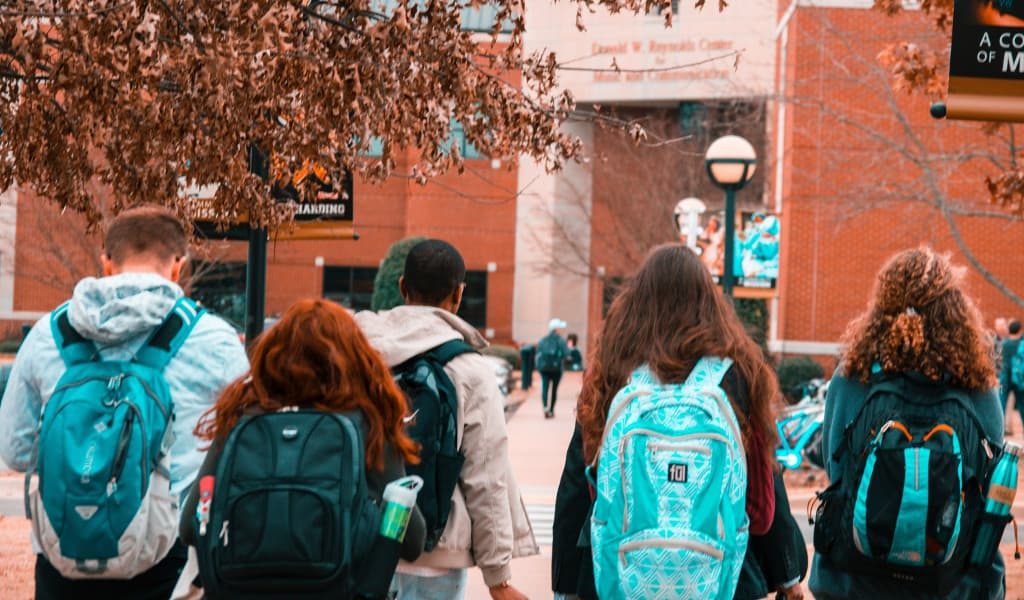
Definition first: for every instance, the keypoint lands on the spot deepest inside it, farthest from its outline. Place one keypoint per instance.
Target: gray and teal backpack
(906, 506)
(670, 518)
(101, 503)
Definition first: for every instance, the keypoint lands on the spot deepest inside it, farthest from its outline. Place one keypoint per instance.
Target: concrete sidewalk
(537, 446)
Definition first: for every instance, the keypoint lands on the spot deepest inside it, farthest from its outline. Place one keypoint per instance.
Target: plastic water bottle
(399, 500)
(1002, 490)
(379, 568)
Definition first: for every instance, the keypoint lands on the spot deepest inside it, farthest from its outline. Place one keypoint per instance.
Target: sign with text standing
(986, 61)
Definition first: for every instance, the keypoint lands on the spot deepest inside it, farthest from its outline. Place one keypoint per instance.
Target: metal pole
(255, 284)
(730, 242)
(256, 269)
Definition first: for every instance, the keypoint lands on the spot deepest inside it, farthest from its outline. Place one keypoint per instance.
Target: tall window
(220, 288)
(351, 287)
(474, 299)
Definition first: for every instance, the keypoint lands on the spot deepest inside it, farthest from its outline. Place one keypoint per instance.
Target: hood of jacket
(405, 331)
(112, 310)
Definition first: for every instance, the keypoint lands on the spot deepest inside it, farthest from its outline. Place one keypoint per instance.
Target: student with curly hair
(913, 402)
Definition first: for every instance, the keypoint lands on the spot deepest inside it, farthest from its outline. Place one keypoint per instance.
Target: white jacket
(488, 525)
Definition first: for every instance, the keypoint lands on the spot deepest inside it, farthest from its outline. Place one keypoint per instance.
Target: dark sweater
(394, 468)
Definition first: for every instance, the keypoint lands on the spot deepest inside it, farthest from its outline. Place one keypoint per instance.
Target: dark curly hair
(920, 320)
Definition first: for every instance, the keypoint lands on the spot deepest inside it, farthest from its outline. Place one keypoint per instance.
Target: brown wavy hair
(920, 320)
(316, 357)
(669, 315)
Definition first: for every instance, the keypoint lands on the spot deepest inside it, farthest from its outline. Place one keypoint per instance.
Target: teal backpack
(101, 506)
(670, 516)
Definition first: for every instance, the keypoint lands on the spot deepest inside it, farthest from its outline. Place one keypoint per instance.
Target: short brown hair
(149, 230)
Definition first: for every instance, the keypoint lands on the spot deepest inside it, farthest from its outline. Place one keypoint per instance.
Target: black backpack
(291, 516)
(435, 407)
(911, 496)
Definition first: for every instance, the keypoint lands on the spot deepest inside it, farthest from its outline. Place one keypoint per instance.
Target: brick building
(854, 170)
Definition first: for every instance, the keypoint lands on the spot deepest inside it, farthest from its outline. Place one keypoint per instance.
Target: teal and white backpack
(670, 516)
(101, 506)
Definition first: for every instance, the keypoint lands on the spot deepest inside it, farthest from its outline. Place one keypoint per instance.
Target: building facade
(854, 169)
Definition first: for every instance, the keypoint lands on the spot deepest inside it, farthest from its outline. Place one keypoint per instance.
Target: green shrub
(794, 371)
(10, 345)
(753, 312)
(509, 353)
(386, 294)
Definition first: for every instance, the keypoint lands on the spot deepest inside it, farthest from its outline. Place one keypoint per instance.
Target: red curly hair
(921, 320)
(316, 357)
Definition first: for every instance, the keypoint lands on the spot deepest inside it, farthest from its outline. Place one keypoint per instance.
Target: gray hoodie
(118, 313)
(488, 525)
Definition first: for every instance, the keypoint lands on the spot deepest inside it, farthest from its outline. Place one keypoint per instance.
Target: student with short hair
(487, 526)
(132, 333)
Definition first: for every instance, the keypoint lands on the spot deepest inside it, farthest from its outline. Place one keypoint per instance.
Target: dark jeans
(549, 380)
(155, 584)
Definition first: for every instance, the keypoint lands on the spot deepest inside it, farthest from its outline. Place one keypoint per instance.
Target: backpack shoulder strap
(74, 348)
(709, 371)
(168, 338)
(448, 351)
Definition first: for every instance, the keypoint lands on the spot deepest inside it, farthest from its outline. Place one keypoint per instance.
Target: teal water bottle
(1002, 490)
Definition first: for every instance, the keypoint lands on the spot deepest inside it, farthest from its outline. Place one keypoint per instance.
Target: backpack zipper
(224, 533)
(673, 544)
(121, 453)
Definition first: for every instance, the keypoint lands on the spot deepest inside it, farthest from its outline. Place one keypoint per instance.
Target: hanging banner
(986, 61)
(756, 250)
(327, 217)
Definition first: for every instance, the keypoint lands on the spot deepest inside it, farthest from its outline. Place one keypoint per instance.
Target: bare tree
(634, 186)
(903, 160)
(145, 95)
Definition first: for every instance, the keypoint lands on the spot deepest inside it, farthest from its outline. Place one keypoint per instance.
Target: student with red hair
(315, 358)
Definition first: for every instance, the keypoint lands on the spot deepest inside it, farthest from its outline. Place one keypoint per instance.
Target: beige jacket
(488, 525)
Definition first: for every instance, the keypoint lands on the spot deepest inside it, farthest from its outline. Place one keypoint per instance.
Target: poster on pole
(328, 216)
(986, 61)
(756, 250)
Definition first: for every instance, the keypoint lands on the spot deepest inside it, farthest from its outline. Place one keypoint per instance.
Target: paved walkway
(537, 446)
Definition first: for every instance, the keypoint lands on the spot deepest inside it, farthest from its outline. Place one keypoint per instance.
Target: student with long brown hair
(668, 317)
(314, 359)
(917, 368)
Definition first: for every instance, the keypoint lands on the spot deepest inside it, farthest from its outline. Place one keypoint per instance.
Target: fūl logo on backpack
(677, 473)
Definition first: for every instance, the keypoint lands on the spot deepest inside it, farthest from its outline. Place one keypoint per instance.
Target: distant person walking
(116, 374)
(912, 421)
(1011, 371)
(552, 351)
(487, 525)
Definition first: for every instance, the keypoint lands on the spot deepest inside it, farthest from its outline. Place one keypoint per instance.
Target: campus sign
(986, 63)
(623, 57)
(329, 216)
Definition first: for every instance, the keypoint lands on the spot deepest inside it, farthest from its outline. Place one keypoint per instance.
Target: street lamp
(731, 162)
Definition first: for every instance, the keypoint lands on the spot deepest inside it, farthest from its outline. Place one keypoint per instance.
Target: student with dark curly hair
(917, 368)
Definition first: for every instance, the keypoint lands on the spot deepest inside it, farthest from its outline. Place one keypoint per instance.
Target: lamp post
(731, 162)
